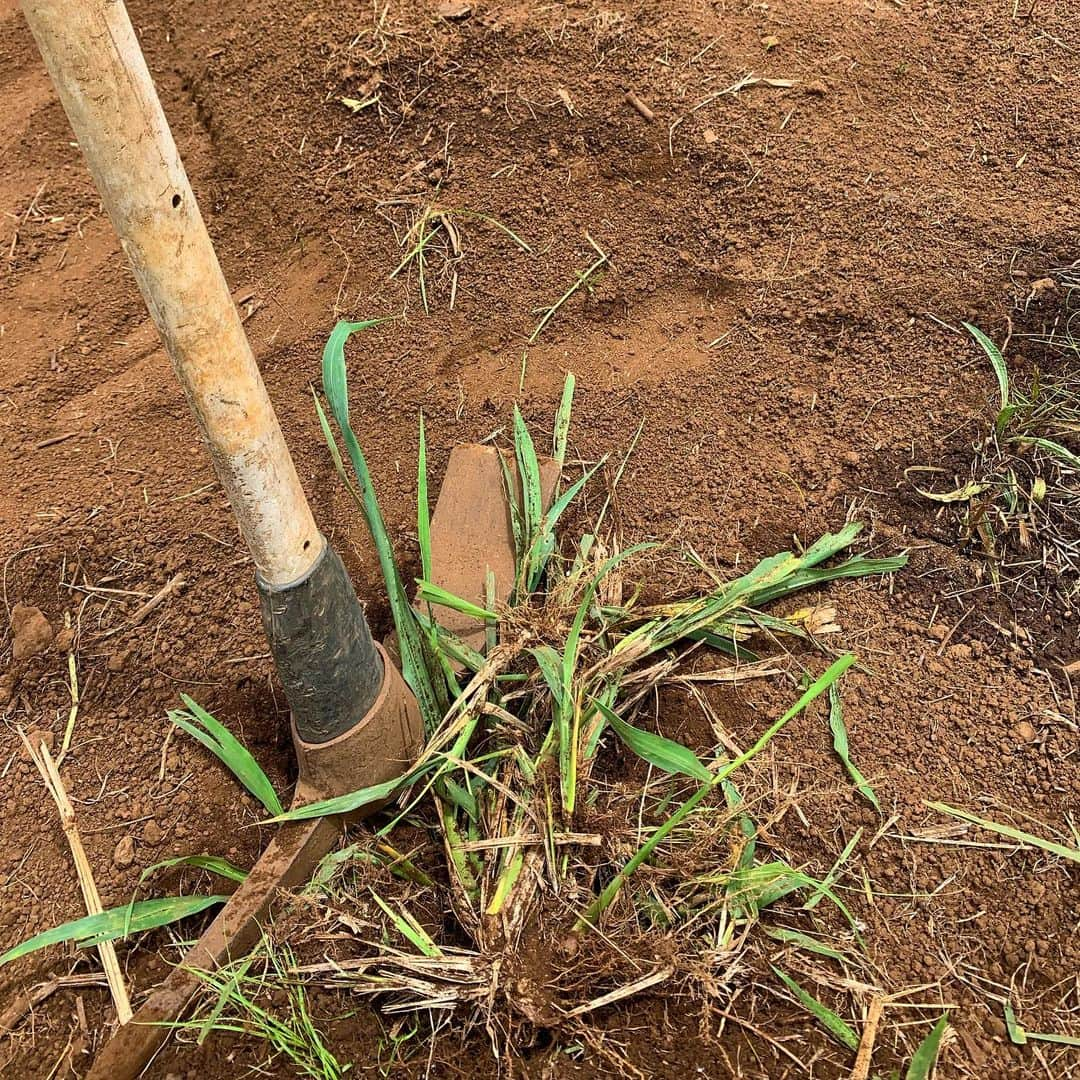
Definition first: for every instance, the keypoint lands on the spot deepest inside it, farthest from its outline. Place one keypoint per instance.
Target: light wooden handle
(99, 72)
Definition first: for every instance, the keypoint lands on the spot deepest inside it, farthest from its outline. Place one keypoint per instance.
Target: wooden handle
(99, 72)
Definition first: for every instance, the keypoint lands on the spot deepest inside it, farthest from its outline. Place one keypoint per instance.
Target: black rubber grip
(322, 647)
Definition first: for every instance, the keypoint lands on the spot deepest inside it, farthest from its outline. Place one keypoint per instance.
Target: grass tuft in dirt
(572, 855)
(1021, 503)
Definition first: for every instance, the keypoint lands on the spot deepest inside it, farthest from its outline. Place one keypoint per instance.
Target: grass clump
(1021, 502)
(545, 790)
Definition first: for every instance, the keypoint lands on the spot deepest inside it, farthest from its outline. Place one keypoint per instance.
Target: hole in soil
(542, 1040)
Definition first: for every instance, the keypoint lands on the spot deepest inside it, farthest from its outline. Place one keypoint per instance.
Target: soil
(788, 268)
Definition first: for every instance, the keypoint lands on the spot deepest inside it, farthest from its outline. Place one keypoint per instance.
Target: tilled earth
(789, 262)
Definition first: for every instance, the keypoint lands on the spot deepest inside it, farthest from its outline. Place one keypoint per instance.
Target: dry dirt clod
(124, 852)
(33, 634)
(1025, 731)
(118, 659)
(817, 88)
(454, 9)
(770, 42)
(152, 833)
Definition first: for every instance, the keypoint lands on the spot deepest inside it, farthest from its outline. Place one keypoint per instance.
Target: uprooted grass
(569, 878)
(434, 247)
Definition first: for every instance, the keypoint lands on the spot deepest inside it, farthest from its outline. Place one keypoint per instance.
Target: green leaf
(1055, 449)
(204, 728)
(1020, 1037)
(517, 524)
(409, 928)
(431, 593)
(1017, 1034)
(925, 1057)
(839, 1029)
(611, 890)
(529, 475)
(414, 666)
(110, 925)
(344, 804)
(657, 750)
(543, 541)
(997, 361)
(811, 577)
(423, 509)
(215, 864)
(840, 745)
(799, 940)
(825, 547)
(960, 494)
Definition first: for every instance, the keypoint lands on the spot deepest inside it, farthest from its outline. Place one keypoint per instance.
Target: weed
(925, 1057)
(840, 745)
(1021, 503)
(434, 238)
(1020, 1036)
(520, 730)
(233, 994)
(200, 725)
(1024, 839)
(837, 1027)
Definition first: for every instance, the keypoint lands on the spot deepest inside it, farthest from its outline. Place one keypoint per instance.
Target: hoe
(355, 723)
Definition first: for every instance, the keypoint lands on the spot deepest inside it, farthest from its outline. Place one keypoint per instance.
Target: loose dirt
(788, 266)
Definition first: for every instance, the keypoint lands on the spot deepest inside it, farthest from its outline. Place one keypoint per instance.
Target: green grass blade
(925, 1057)
(423, 509)
(203, 727)
(825, 547)
(215, 864)
(839, 1029)
(573, 638)
(997, 361)
(611, 890)
(409, 928)
(840, 745)
(517, 524)
(799, 940)
(1021, 837)
(1017, 1035)
(110, 925)
(550, 664)
(810, 577)
(343, 804)
(529, 475)
(414, 665)
(562, 421)
(1055, 449)
(498, 225)
(451, 646)
(431, 593)
(543, 542)
(663, 753)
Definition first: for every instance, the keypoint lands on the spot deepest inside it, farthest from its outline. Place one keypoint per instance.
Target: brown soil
(783, 264)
